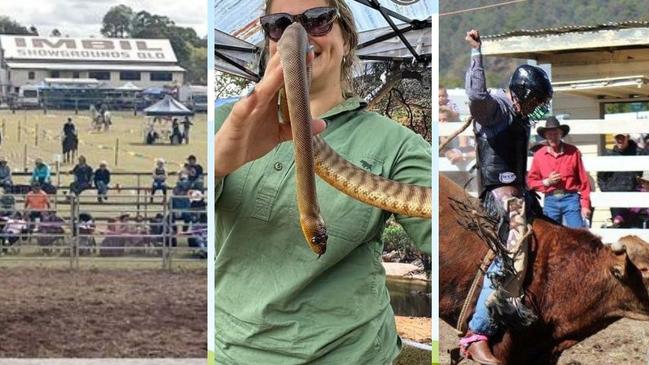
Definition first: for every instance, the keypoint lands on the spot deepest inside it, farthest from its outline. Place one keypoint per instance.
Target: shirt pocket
(233, 189)
(346, 217)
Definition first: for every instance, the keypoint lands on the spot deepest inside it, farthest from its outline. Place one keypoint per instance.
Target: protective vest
(502, 154)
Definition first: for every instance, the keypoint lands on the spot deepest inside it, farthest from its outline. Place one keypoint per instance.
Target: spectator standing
(180, 203)
(186, 125)
(159, 178)
(558, 172)
(82, 177)
(151, 134)
(622, 181)
(176, 136)
(5, 175)
(36, 203)
(102, 179)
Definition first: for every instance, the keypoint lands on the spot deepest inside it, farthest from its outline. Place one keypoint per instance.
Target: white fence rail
(602, 200)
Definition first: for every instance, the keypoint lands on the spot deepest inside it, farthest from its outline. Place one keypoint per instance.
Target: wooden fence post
(116, 150)
(25, 158)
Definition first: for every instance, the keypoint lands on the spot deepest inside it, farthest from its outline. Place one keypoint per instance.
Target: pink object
(466, 341)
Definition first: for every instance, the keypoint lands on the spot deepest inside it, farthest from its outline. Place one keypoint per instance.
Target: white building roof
(91, 67)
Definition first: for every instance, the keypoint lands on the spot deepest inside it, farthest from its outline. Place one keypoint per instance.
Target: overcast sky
(82, 18)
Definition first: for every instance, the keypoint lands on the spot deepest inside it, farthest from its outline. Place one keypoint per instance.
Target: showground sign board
(86, 49)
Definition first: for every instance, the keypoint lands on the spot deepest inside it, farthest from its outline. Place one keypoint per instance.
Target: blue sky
(82, 18)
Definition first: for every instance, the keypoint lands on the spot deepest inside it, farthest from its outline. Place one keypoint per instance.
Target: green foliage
(612, 108)
(407, 101)
(413, 356)
(121, 22)
(117, 22)
(9, 26)
(531, 14)
(196, 65)
(395, 238)
(228, 85)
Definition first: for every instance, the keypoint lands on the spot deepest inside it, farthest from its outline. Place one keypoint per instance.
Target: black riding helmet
(531, 82)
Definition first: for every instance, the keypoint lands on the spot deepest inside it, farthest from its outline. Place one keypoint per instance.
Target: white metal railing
(593, 164)
(72, 240)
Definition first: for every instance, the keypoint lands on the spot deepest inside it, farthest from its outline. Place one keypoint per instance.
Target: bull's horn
(618, 247)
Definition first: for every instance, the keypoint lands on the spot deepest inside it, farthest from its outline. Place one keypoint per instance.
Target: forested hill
(531, 14)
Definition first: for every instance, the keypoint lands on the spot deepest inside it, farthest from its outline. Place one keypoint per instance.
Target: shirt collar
(353, 103)
(562, 150)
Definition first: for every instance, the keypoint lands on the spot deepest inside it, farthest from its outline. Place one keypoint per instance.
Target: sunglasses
(316, 21)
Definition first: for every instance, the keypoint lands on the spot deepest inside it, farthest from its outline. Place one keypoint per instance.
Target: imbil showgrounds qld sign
(87, 49)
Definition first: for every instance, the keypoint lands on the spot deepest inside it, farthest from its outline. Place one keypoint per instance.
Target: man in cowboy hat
(558, 172)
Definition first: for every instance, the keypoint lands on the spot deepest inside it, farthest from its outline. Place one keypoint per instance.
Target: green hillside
(531, 14)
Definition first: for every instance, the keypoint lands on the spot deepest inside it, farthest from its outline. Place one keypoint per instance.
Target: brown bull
(577, 285)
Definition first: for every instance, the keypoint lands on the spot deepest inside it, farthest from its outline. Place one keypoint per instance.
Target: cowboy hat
(553, 123)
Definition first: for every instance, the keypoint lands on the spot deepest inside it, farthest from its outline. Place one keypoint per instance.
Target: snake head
(315, 233)
(319, 241)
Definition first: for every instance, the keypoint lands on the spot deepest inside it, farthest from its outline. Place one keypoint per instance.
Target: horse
(576, 285)
(70, 146)
(100, 120)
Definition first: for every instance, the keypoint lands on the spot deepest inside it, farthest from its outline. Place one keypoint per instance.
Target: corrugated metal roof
(91, 66)
(239, 18)
(571, 29)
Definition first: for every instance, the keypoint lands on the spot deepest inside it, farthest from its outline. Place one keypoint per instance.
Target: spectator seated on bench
(13, 228)
(82, 177)
(41, 176)
(5, 175)
(36, 203)
(102, 180)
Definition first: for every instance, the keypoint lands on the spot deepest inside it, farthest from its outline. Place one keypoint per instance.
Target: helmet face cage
(531, 84)
(540, 112)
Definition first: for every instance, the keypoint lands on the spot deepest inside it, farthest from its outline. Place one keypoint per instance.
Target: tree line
(123, 22)
(531, 14)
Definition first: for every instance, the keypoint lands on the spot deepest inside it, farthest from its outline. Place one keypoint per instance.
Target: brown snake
(313, 154)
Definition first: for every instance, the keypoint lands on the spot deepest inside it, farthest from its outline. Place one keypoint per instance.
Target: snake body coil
(313, 154)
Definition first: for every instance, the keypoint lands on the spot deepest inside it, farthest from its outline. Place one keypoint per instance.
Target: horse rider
(69, 129)
(502, 130)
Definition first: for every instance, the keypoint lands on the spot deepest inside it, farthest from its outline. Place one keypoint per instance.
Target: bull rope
(461, 326)
(464, 126)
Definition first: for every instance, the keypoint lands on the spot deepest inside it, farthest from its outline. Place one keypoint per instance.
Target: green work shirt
(276, 301)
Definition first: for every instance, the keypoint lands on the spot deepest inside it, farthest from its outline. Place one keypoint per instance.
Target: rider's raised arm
(481, 103)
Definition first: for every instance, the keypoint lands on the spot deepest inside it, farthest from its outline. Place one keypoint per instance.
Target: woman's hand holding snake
(253, 129)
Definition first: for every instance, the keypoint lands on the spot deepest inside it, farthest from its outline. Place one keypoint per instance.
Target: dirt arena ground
(54, 312)
(624, 342)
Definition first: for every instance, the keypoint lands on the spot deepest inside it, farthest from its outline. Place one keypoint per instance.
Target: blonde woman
(276, 303)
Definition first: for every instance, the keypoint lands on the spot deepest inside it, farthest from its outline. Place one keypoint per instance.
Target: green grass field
(39, 134)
